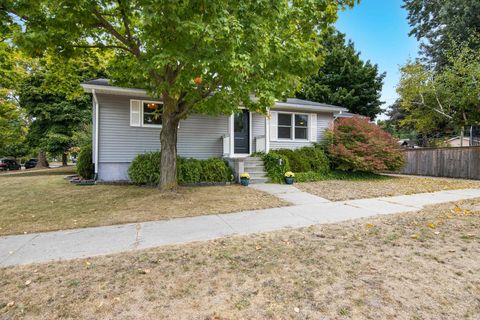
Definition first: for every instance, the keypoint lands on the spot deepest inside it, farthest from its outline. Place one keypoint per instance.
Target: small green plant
(276, 165)
(85, 163)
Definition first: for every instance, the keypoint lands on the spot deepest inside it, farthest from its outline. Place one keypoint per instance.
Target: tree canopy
(231, 48)
(441, 100)
(442, 25)
(344, 79)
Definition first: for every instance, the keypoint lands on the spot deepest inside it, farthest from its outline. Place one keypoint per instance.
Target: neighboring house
(124, 127)
(457, 142)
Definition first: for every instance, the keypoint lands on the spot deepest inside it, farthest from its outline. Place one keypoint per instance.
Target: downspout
(95, 150)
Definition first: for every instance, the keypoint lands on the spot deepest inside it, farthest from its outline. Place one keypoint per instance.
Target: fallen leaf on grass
(11, 304)
(143, 271)
(28, 282)
(296, 309)
(414, 236)
(431, 225)
(258, 248)
(370, 225)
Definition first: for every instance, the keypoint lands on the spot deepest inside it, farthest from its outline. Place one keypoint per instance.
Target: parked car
(9, 164)
(32, 163)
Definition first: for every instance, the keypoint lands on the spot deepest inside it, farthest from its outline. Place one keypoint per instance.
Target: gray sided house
(123, 126)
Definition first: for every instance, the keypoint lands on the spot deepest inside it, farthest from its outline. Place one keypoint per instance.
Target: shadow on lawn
(40, 172)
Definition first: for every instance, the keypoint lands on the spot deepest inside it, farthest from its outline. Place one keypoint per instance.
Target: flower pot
(245, 182)
(289, 180)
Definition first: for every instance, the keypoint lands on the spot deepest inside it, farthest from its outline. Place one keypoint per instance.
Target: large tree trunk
(64, 159)
(168, 145)
(42, 160)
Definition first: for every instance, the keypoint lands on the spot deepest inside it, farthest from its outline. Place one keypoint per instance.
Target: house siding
(199, 136)
(324, 121)
(258, 128)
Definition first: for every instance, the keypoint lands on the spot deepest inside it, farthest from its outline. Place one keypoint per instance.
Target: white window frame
(142, 118)
(293, 138)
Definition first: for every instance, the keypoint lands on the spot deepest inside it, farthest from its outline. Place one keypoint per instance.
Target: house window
(152, 113)
(293, 126)
(301, 126)
(284, 126)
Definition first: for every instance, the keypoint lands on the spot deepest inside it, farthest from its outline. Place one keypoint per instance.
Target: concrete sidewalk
(289, 193)
(87, 242)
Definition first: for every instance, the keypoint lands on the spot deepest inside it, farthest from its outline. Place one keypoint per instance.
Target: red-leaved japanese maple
(359, 145)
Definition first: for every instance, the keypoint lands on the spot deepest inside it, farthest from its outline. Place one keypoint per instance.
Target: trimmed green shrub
(189, 171)
(85, 162)
(318, 160)
(275, 171)
(307, 159)
(145, 170)
(298, 161)
(215, 170)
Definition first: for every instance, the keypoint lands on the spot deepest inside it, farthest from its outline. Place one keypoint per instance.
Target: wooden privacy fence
(463, 162)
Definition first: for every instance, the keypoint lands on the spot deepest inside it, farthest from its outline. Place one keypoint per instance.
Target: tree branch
(126, 25)
(101, 46)
(111, 29)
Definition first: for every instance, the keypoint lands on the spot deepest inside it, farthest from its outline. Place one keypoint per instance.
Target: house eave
(114, 90)
(299, 107)
(99, 89)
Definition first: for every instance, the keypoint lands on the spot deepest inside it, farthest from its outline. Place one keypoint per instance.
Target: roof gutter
(90, 88)
(109, 89)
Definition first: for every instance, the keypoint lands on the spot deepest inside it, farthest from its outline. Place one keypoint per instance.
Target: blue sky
(379, 29)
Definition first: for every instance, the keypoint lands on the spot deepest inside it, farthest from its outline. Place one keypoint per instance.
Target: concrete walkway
(289, 193)
(87, 242)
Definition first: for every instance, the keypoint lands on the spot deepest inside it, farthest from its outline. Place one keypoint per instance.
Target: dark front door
(241, 132)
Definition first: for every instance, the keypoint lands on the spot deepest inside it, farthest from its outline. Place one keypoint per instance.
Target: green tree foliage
(13, 123)
(358, 145)
(197, 55)
(440, 100)
(437, 23)
(54, 116)
(344, 79)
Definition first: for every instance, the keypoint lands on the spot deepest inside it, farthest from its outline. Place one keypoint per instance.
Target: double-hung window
(152, 113)
(145, 113)
(292, 126)
(301, 126)
(285, 126)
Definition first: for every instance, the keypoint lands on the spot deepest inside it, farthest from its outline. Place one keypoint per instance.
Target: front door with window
(241, 130)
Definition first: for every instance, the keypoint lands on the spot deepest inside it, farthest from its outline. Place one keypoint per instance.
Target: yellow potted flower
(244, 179)
(289, 175)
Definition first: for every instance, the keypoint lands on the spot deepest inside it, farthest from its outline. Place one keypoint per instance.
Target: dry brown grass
(339, 190)
(44, 201)
(409, 266)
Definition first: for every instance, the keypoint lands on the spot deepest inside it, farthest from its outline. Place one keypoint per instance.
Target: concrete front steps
(254, 166)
